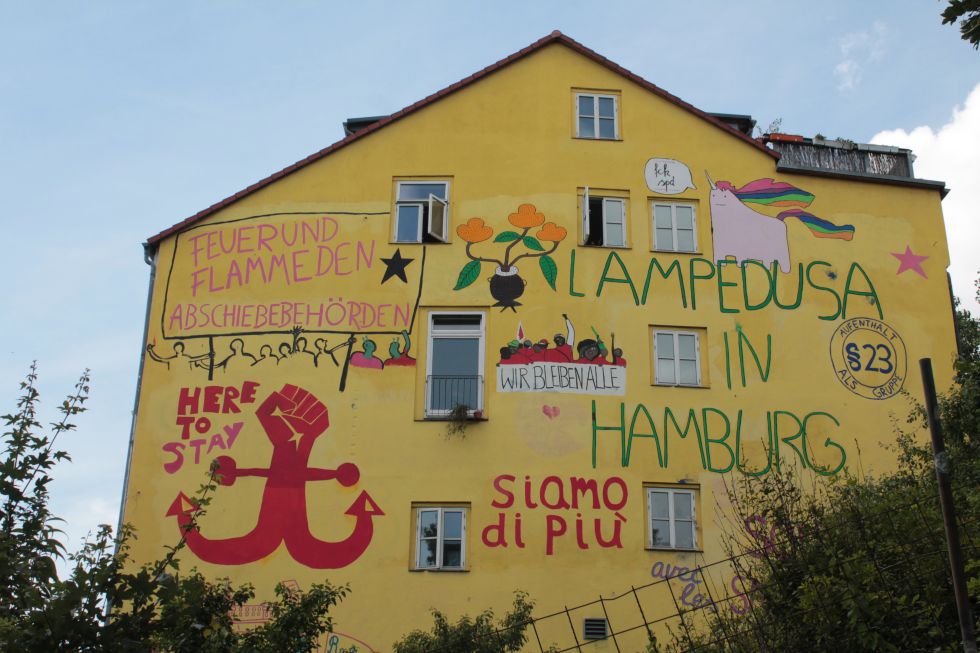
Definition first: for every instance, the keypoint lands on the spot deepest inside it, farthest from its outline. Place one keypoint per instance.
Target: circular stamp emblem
(869, 358)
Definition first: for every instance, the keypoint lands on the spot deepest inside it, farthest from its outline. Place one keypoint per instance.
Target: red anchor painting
(293, 419)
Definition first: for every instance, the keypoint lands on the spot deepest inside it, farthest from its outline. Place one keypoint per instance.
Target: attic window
(597, 116)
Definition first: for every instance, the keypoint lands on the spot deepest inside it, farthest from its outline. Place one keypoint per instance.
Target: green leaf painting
(469, 274)
(538, 239)
(532, 243)
(506, 237)
(549, 269)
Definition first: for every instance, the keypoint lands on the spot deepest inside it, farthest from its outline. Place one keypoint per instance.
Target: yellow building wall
(505, 142)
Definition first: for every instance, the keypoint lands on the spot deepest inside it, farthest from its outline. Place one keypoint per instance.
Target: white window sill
(415, 242)
(674, 549)
(446, 570)
(449, 418)
(676, 251)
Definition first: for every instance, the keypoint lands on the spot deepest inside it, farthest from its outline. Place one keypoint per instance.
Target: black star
(395, 266)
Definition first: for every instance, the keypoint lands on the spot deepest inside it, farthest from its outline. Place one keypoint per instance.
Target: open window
(421, 211)
(603, 220)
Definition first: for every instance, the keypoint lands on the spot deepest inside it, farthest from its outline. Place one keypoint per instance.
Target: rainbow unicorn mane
(770, 192)
(818, 226)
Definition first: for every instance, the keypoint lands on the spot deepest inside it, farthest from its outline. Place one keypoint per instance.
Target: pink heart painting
(551, 411)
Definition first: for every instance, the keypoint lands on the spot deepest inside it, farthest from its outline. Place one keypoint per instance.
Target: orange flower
(551, 231)
(527, 216)
(474, 231)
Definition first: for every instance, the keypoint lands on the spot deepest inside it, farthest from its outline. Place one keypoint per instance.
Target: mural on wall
(398, 355)
(398, 350)
(720, 438)
(395, 266)
(746, 234)
(292, 419)
(179, 356)
(234, 285)
(586, 366)
(668, 176)
(289, 354)
(909, 261)
(725, 438)
(749, 286)
(695, 593)
(593, 509)
(552, 426)
(869, 358)
(506, 284)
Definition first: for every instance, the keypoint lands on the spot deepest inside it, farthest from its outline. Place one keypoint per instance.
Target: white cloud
(952, 154)
(858, 49)
(848, 74)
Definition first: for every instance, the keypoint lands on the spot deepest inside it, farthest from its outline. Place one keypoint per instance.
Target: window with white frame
(440, 537)
(421, 211)
(674, 227)
(454, 365)
(677, 357)
(603, 220)
(597, 116)
(671, 518)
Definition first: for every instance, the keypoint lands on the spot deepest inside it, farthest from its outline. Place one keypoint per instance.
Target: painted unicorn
(746, 234)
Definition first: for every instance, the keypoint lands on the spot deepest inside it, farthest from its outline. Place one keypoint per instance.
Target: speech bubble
(668, 176)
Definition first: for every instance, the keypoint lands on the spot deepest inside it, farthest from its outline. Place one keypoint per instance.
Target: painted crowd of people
(590, 351)
(289, 353)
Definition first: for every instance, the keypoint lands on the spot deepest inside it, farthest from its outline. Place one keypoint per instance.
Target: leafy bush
(479, 635)
(857, 564)
(107, 603)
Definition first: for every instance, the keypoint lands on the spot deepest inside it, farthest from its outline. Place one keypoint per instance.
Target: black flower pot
(506, 287)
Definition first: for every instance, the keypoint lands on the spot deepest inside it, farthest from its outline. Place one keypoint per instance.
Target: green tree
(968, 13)
(479, 635)
(106, 602)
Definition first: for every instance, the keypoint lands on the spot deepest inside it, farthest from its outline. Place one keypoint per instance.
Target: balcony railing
(445, 395)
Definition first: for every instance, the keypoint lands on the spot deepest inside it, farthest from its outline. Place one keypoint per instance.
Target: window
(671, 518)
(677, 357)
(440, 537)
(597, 116)
(603, 220)
(673, 227)
(454, 366)
(421, 211)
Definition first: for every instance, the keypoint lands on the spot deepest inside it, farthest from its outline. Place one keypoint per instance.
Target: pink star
(910, 261)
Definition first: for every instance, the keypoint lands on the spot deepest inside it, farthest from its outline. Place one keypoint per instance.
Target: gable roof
(554, 37)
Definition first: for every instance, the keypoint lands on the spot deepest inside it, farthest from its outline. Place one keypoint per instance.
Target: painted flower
(474, 231)
(527, 216)
(552, 232)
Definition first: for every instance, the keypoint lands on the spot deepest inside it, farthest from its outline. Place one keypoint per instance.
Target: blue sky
(118, 119)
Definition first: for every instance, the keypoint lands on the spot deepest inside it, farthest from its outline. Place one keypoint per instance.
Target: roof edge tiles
(554, 37)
